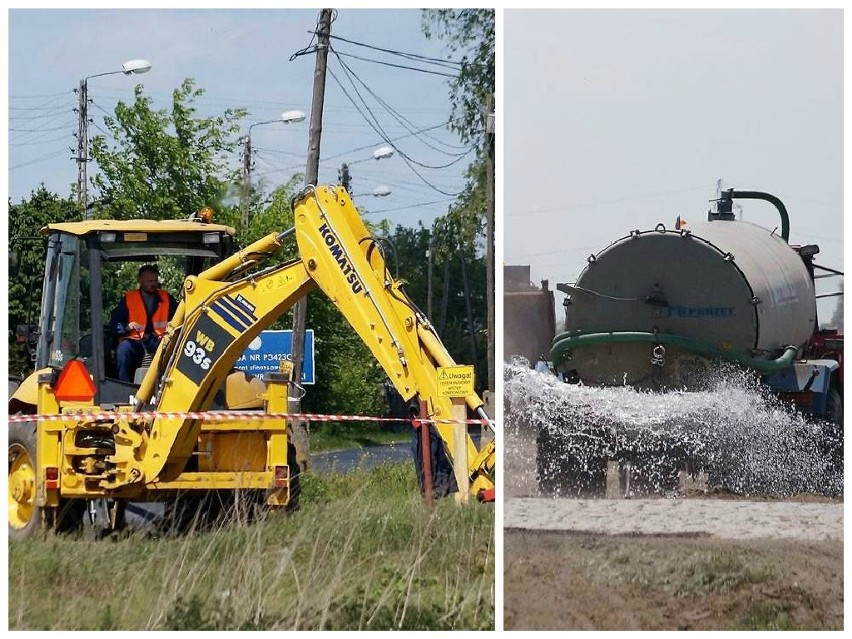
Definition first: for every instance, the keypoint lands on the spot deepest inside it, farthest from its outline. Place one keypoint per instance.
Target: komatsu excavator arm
(225, 307)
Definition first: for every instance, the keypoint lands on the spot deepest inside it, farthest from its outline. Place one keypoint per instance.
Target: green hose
(565, 342)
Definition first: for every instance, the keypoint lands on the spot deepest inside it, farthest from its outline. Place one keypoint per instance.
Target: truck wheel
(834, 434)
(24, 514)
(652, 475)
(567, 468)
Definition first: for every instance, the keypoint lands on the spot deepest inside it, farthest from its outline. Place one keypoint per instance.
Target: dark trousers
(129, 355)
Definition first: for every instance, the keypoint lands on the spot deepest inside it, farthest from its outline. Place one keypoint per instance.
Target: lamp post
(345, 177)
(288, 117)
(128, 68)
(380, 191)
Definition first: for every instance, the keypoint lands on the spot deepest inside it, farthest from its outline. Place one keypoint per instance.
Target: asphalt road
(343, 461)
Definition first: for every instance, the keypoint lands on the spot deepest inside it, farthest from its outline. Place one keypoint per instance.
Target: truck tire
(25, 516)
(834, 434)
(562, 472)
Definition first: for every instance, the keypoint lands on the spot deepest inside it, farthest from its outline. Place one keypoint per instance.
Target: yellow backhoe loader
(80, 436)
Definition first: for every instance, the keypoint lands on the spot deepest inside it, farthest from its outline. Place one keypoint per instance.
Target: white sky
(620, 119)
(241, 59)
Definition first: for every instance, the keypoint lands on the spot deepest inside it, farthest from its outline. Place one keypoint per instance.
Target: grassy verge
(325, 437)
(363, 552)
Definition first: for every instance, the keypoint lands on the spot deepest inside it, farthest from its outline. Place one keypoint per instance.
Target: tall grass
(363, 552)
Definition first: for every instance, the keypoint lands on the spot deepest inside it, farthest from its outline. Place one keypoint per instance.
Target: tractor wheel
(566, 469)
(25, 516)
(295, 479)
(193, 511)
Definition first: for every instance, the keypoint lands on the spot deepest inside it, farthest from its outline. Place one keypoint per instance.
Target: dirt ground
(654, 567)
(561, 581)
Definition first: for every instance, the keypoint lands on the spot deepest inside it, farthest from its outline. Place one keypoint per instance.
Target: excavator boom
(225, 307)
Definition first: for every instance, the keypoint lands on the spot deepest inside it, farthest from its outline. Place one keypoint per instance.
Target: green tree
(468, 33)
(405, 252)
(165, 164)
(25, 221)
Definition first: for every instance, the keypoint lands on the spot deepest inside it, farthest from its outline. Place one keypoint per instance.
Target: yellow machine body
(221, 310)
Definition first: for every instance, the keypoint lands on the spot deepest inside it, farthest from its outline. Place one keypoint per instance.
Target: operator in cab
(140, 320)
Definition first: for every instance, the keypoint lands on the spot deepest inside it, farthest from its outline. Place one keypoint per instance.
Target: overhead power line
(410, 56)
(396, 66)
(58, 128)
(401, 119)
(360, 148)
(373, 121)
(377, 128)
(411, 206)
(39, 143)
(39, 95)
(44, 158)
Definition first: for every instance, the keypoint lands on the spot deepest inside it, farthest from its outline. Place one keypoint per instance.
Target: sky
(241, 58)
(629, 117)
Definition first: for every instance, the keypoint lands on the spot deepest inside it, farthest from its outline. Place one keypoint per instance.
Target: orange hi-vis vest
(137, 313)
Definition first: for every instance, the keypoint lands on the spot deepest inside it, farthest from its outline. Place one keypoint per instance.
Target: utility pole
(311, 176)
(489, 244)
(83, 147)
(245, 195)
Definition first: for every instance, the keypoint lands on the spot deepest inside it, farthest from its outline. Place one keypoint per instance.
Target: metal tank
(656, 299)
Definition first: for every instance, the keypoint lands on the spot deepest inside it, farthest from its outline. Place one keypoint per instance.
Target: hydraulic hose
(565, 342)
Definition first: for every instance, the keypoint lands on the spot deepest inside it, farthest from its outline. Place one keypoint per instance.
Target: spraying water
(729, 427)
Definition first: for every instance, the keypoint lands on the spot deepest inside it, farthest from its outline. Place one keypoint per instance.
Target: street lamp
(128, 68)
(380, 191)
(383, 152)
(288, 117)
(343, 174)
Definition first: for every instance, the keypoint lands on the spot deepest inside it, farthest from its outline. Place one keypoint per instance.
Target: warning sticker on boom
(455, 381)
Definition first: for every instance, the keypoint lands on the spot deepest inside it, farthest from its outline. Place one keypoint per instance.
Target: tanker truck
(657, 310)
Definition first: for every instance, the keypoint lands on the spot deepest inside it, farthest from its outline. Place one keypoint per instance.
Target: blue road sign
(264, 353)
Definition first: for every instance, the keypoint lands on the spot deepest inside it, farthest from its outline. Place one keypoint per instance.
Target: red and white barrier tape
(239, 415)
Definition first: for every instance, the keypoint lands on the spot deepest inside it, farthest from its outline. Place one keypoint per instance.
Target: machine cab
(90, 265)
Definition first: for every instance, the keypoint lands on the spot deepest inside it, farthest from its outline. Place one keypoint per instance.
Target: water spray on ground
(730, 428)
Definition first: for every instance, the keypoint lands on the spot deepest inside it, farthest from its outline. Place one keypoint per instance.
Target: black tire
(650, 465)
(833, 436)
(567, 466)
(652, 475)
(25, 516)
(295, 479)
(194, 511)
